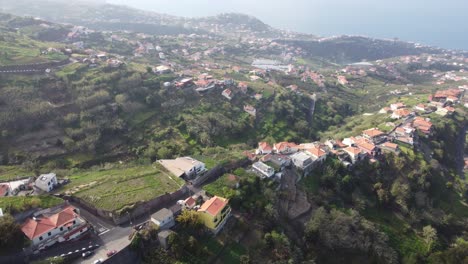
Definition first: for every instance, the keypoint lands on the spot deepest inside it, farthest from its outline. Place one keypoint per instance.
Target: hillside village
(192, 198)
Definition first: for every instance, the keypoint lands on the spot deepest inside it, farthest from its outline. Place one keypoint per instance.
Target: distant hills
(102, 16)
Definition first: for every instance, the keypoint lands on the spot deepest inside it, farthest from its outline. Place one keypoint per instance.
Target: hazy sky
(436, 22)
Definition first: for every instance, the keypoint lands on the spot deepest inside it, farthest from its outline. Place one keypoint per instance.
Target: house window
(48, 183)
(74, 222)
(49, 234)
(40, 238)
(61, 228)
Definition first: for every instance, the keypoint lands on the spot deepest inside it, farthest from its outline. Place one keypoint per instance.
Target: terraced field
(112, 189)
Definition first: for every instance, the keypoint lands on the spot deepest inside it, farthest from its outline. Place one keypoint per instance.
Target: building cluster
(44, 183)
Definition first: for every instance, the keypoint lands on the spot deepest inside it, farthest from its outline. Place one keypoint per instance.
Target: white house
(301, 160)
(265, 170)
(46, 182)
(227, 93)
(163, 218)
(185, 166)
(52, 226)
(355, 154)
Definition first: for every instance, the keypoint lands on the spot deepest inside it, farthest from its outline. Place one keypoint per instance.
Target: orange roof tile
(365, 145)
(3, 189)
(34, 228)
(373, 132)
(190, 202)
(318, 152)
(264, 146)
(390, 145)
(214, 205)
(282, 146)
(352, 150)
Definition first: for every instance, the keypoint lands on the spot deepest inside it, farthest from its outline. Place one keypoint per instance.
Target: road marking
(100, 234)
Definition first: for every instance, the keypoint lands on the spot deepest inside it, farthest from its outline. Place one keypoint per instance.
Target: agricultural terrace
(114, 188)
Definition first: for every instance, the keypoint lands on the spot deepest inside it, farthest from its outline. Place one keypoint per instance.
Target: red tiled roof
(390, 145)
(447, 93)
(265, 146)
(190, 202)
(282, 146)
(373, 132)
(318, 152)
(214, 205)
(365, 145)
(402, 112)
(340, 144)
(3, 189)
(34, 228)
(352, 150)
(227, 92)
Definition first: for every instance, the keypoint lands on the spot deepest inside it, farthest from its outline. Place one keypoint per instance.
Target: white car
(98, 261)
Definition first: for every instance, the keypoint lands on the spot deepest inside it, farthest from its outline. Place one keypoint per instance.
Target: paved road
(106, 234)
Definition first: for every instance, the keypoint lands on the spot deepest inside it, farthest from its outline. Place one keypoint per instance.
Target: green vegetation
(12, 239)
(18, 204)
(8, 173)
(114, 188)
(225, 186)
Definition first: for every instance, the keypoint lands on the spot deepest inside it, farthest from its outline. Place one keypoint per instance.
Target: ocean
(430, 22)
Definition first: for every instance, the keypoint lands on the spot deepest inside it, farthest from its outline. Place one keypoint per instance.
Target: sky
(433, 22)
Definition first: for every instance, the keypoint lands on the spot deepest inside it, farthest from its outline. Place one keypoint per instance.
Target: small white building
(265, 170)
(301, 160)
(163, 218)
(46, 182)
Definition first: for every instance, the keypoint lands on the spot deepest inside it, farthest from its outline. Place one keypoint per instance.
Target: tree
(190, 220)
(11, 238)
(430, 236)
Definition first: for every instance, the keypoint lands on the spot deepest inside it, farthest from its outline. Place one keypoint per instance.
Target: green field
(8, 173)
(16, 204)
(19, 49)
(113, 189)
(221, 187)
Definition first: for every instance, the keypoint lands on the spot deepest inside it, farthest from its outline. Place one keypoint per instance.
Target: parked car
(98, 261)
(87, 254)
(111, 253)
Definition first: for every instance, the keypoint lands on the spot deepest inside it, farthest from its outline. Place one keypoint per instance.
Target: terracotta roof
(318, 152)
(190, 202)
(390, 145)
(34, 228)
(365, 145)
(352, 150)
(402, 112)
(214, 205)
(373, 132)
(3, 189)
(282, 146)
(447, 93)
(227, 92)
(340, 144)
(264, 146)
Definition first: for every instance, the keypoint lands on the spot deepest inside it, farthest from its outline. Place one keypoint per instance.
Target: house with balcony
(214, 213)
(184, 167)
(263, 170)
(55, 225)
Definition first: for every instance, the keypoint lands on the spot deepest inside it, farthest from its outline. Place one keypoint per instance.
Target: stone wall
(137, 210)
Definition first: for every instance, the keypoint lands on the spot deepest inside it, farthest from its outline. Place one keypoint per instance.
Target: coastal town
(207, 133)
